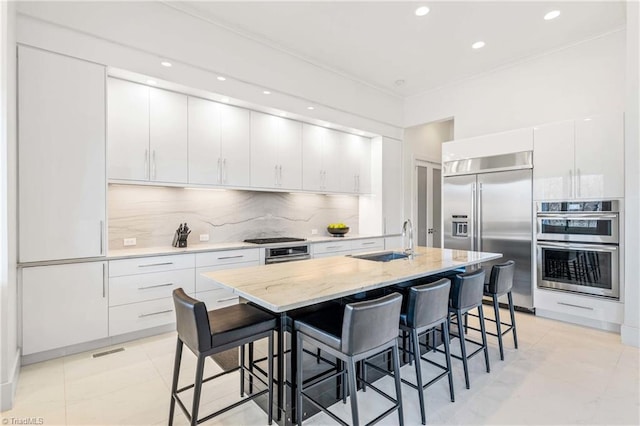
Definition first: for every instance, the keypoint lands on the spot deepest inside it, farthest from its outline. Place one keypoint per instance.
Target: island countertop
(286, 286)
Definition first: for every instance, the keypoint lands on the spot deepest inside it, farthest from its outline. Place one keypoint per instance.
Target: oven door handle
(588, 247)
(576, 216)
(284, 259)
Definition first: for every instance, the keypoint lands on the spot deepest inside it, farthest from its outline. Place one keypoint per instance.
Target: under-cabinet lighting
(166, 64)
(221, 78)
(152, 82)
(283, 114)
(422, 10)
(205, 189)
(225, 100)
(552, 15)
(266, 92)
(478, 45)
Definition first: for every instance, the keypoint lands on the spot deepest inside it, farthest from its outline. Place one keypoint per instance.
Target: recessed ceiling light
(310, 108)
(266, 92)
(552, 15)
(225, 99)
(478, 45)
(152, 82)
(166, 64)
(422, 10)
(221, 78)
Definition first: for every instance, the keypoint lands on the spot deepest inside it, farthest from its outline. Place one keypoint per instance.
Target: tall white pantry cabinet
(61, 198)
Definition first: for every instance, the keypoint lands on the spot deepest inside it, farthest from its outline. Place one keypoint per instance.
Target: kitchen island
(283, 287)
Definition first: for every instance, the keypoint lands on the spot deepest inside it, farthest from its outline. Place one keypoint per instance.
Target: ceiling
(380, 43)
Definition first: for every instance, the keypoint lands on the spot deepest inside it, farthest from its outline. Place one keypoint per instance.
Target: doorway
(428, 203)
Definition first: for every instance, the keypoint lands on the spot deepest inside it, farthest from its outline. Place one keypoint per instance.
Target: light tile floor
(561, 374)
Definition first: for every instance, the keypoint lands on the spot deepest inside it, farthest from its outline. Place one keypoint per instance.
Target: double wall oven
(578, 247)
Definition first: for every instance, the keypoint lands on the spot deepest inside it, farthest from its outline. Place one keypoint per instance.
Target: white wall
(631, 328)
(9, 356)
(136, 36)
(574, 82)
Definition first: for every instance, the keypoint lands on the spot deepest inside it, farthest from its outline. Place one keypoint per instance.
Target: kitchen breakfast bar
(282, 288)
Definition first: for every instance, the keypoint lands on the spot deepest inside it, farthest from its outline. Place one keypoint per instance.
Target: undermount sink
(384, 256)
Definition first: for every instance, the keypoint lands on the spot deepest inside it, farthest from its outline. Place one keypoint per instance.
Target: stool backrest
(467, 289)
(501, 279)
(192, 321)
(369, 324)
(428, 304)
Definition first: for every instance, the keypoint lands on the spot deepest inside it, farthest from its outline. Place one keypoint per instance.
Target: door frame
(423, 162)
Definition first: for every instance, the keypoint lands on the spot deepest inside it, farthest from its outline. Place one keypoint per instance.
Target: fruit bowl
(338, 232)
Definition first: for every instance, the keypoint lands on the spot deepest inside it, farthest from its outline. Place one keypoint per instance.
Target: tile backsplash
(151, 214)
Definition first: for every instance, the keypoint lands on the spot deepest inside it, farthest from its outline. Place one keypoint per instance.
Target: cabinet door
(392, 201)
(312, 150)
(204, 142)
(168, 136)
(63, 305)
(349, 152)
(61, 157)
(553, 161)
(364, 177)
(264, 164)
(128, 118)
(332, 161)
(235, 145)
(290, 155)
(600, 157)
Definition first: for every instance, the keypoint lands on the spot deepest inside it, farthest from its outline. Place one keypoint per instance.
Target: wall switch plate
(129, 242)
(204, 237)
(314, 232)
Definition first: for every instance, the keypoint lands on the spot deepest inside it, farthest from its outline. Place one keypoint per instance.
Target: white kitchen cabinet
(392, 201)
(219, 143)
(356, 164)
(147, 133)
(63, 305)
(276, 152)
(579, 159)
(322, 159)
(345, 247)
(61, 157)
(596, 311)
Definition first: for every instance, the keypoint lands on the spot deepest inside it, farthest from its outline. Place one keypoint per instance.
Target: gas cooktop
(274, 240)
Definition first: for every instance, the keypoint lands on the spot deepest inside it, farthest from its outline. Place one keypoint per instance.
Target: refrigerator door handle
(479, 216)
(472, 222)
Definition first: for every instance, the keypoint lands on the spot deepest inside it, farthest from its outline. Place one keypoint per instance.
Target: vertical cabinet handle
(275, 174)
(153, 164)
(570, 183)
(102, 237)
(104, 280)
(224, 170)
(219, 174)
(579, 183)
(146, 164)
(280, 174)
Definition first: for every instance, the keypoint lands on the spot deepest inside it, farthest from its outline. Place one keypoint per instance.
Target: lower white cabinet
(155, 285)
(63, 305)
(141, 315)
(345, 247)
(213, 295)
(216, 299)
(593, 309)
(370, 244)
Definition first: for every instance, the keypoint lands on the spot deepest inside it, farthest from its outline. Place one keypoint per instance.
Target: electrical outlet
(314, 232)
(129, 242)
(204, 237)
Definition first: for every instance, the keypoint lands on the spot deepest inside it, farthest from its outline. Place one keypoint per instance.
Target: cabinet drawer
(205, 284)
(227, 257)
(216, 299)
(145, 265)
(331, 247)
(156, 285)
(140, 316)
(587, 307)
(369, 244)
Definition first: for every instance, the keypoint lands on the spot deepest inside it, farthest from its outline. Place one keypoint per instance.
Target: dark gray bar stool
(427, 308)
(208, 333)
(466, 294)
(366, 329)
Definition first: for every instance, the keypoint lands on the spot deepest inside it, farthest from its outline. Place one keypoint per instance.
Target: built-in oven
(578, 247)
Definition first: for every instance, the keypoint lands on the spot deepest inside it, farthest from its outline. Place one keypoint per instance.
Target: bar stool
(501, 283)
(466, 295)
(207, 333)
(427, 308)
(366, 329)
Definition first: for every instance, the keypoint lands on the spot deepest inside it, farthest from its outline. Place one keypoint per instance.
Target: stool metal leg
(447, 353)
(496, 310)
(270, 378)
(396, 376)
(299, 379)
(416, 353)
(483, 331)
(353, 389)
(251, 368)
(197, 389)
(174, 383)
(463, 349)
(513, 320)
(242, 371)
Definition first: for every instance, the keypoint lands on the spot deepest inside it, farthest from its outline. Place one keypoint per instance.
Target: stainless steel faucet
(407, 224)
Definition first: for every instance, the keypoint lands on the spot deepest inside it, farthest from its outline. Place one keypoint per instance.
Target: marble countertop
(286, 286)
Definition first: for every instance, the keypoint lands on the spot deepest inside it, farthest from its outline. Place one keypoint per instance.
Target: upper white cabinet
(147, 133)
(276, 152)
(579, 159)
(356, 171)
(219, 143)
(61, 157)
(392, 193)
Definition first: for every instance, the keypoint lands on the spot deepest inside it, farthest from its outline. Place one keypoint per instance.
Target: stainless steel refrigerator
(487, 206)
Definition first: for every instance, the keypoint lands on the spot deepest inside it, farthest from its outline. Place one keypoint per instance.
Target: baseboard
(630, 335)
(573, 319)
(8, 389)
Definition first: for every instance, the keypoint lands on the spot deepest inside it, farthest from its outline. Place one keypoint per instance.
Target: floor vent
(112, 351)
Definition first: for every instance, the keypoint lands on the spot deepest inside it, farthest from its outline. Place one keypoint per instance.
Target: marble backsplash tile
(151, 214)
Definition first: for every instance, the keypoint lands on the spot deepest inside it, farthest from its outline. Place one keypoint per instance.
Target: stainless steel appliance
(283, 252)
(487, 206)
(578, 247)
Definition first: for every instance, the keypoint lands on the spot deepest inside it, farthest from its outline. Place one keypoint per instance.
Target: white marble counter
(286, 286)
